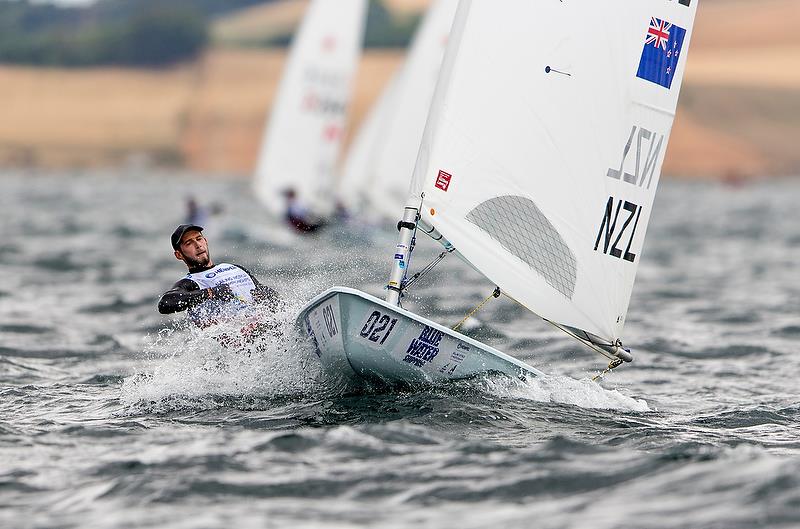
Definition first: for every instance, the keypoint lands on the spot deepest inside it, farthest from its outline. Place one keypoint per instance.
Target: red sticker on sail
(443, 180)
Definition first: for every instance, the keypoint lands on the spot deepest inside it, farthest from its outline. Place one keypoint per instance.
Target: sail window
(523, 231)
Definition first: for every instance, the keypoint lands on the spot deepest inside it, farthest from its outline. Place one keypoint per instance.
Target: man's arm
(186, 294)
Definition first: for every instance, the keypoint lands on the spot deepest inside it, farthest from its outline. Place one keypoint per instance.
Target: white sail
(358, 167)
(544, 145)
(305, 130)
(383, 158)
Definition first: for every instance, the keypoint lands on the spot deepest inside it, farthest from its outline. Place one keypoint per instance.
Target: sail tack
(544, 144)
(304, 133)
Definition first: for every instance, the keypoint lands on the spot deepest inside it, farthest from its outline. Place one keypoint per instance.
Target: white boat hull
(358, 337)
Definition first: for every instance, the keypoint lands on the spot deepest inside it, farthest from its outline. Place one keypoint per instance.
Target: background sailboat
(376, 170)
(539, 164)
(305, 129)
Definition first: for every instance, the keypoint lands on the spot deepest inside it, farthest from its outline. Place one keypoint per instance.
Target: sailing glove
(222, 292)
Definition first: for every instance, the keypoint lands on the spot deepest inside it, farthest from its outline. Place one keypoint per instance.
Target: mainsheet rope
(614, 362)
(495, 294)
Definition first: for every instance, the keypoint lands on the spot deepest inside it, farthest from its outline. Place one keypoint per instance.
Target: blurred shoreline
(738, 116)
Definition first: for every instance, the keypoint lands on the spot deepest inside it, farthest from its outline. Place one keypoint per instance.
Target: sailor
(211, 292)
(298, 216)
(195, 213)
(199, 214)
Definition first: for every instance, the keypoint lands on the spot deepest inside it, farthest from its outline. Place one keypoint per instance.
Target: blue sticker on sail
(662, 48)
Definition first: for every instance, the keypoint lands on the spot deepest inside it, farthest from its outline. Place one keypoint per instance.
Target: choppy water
(114, 416)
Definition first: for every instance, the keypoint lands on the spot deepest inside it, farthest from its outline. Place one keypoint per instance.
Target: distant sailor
(298, 216)
(211, 293)
(198, 214)
(195, 213)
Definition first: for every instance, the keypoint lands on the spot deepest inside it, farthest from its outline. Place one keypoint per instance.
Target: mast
(411, 214)
(402, 252)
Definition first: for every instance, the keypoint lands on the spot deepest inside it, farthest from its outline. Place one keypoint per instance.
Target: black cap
(180, 231)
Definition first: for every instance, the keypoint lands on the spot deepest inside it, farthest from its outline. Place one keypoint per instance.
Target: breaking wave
(184, 364)
(584, 393)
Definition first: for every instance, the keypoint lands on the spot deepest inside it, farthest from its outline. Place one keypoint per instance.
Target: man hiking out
(211, 293)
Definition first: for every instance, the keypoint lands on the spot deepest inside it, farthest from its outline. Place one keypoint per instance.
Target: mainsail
(301, 147)
(383, 155)
(544, 145)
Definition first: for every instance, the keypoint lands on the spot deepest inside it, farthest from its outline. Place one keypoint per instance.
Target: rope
(495, 294)
(614, 363)
(611, 365)
(430, 266)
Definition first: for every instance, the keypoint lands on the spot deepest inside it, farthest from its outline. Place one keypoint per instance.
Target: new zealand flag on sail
(662, 48)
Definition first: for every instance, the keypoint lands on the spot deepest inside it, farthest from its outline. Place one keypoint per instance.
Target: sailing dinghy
(538, 166)
(305, 130)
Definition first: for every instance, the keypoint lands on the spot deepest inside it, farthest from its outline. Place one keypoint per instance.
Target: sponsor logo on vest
(218, 271)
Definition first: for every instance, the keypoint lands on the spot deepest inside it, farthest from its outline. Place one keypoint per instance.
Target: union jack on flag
(663, 43)
(658, 33)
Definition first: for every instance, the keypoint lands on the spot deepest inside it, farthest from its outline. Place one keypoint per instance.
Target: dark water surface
(114, 416)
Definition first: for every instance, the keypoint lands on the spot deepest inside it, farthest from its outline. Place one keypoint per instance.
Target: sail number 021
(378, 327)
(330, 320)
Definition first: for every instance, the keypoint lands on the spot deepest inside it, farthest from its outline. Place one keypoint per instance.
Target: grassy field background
(739, 114)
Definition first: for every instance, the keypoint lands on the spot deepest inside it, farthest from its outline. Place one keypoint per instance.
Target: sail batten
(544, 145)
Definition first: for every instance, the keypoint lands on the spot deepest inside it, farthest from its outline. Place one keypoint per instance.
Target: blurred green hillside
(190, 83)
(271, 24)
(158, 33)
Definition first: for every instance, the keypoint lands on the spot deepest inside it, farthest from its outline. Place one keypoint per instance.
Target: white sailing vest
(212, 310)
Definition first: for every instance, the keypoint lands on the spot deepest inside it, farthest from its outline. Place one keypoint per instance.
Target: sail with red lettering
(306, 127)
